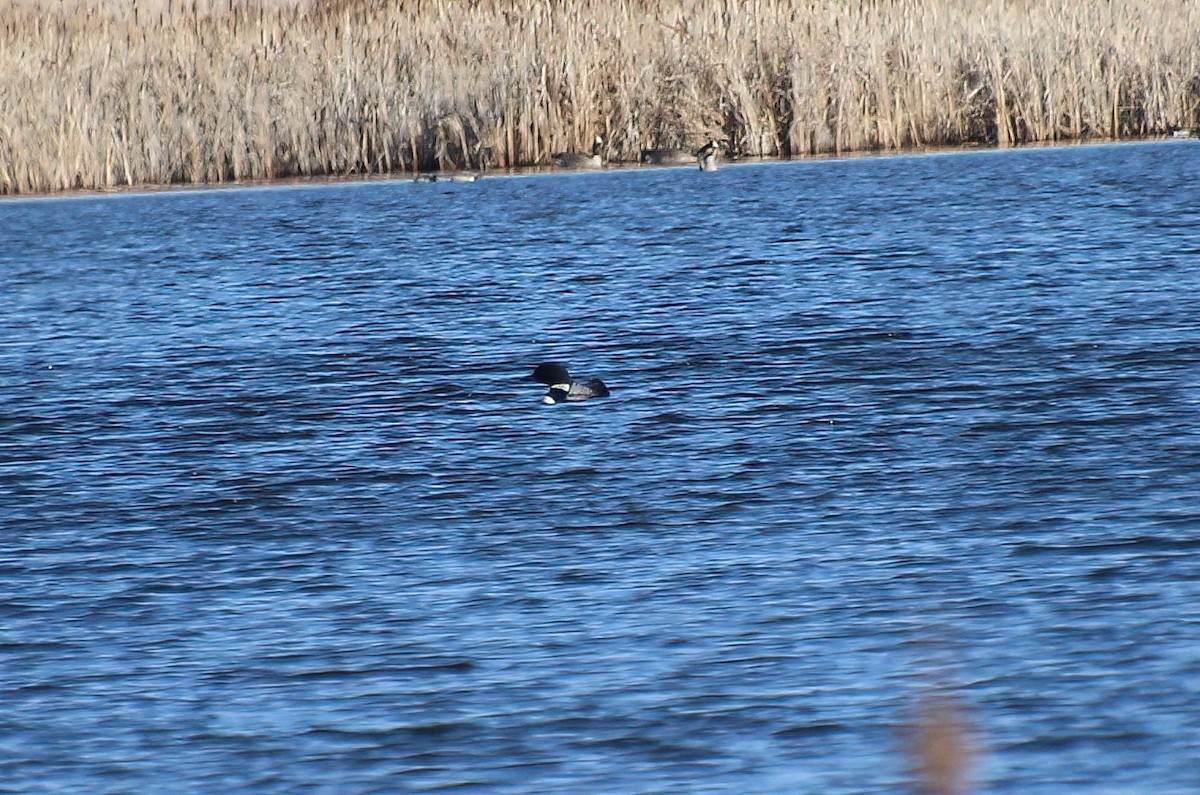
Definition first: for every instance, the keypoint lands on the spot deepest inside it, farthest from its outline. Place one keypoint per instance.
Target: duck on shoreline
(668, 157)
(706, 156)
(577, 160)
(453, 176)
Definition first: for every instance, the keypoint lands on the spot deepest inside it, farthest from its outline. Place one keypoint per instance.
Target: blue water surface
(280, 513)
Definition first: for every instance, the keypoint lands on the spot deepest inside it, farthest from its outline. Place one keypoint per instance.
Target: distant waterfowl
(563, 388)
(577, 160)
(668, 157)
(451, 177)
(706, 156)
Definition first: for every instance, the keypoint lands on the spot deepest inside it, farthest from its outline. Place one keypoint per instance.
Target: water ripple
(282, 511)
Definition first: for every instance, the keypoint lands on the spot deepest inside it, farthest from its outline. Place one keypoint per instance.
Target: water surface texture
(280, 513)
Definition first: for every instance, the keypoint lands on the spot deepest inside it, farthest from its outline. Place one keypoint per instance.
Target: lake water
(280, 512)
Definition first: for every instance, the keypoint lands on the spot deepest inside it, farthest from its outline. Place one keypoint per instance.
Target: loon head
(551, 374)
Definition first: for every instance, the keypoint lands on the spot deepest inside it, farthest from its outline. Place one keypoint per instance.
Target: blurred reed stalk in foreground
(940, 747)
(102, 93)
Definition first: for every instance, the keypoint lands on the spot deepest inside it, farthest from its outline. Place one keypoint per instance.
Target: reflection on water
(281, 511)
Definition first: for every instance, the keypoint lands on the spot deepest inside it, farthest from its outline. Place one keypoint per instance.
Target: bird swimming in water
(563, 388)
(668, 157)
(577, 160)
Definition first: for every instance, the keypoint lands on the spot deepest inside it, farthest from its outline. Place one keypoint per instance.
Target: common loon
(564, 389)
(576, 160)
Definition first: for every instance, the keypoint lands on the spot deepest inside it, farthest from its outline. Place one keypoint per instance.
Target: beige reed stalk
(101, 93)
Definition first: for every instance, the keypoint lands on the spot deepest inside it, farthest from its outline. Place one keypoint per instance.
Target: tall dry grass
(96, 94)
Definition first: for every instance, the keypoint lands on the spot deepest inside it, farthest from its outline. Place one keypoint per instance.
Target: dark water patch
(1143, 544)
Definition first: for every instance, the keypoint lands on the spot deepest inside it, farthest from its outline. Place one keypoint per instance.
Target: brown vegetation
(98, 94)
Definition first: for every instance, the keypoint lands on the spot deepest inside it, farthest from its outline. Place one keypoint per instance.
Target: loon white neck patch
(558, 394)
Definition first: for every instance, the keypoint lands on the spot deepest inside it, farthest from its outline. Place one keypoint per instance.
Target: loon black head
(551, 374)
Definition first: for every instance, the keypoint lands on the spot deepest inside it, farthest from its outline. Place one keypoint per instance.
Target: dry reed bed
(101, 95)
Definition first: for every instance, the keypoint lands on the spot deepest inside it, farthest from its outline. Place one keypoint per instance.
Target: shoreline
(333, 180)
(99, 95)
